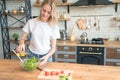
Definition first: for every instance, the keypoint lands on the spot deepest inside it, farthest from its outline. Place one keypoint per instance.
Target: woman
(44, 32)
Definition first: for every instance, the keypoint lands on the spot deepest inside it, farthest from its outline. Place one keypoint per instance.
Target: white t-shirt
(41, 34)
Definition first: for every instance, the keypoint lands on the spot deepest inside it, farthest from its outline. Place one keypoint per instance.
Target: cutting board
(42, 75)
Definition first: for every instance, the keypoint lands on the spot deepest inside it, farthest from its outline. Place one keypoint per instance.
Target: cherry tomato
(46, 73)
(52, 73)
(62, 71)
(57, 73)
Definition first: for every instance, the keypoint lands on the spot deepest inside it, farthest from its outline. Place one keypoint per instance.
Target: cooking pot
(83, 38)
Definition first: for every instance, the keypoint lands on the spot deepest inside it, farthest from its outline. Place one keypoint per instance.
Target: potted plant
(15, 36)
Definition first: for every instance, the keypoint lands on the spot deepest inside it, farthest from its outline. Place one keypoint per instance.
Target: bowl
(29, 65)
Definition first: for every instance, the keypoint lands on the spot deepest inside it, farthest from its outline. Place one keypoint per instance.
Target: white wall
(108, 26)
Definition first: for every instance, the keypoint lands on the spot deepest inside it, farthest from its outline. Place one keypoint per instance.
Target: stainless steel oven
(90, 55)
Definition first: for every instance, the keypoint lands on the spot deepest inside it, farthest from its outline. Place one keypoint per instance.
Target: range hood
(92, 2)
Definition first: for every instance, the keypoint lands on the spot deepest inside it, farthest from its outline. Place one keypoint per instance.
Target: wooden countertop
(112, 44)
(11, 70)
(107, 44)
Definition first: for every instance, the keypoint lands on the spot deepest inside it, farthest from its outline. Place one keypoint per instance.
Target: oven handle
(90, 53)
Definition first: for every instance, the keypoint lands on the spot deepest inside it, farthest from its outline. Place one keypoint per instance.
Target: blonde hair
(52, 20)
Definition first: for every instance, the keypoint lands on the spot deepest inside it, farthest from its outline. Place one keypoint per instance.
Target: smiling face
(45, 12)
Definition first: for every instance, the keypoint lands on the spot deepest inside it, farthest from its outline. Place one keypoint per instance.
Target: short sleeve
(26, 28)
(55, 33)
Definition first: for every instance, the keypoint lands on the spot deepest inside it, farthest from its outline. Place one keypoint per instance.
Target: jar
(14, 11)
(6, 11)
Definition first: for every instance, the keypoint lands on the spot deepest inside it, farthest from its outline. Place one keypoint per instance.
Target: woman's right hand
(20, 48)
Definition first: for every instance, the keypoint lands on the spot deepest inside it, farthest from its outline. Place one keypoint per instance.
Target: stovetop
(93, 41)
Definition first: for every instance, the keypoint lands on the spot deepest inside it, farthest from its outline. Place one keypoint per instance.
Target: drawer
(66, 56)
(66, 48)
(112, 64)
(112, 53)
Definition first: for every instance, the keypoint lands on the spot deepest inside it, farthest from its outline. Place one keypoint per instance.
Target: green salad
(30, 64)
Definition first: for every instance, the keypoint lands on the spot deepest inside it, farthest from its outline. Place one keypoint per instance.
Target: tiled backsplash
(108, 26)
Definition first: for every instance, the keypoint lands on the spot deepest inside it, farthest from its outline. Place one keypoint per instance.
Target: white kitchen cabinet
(65, 54)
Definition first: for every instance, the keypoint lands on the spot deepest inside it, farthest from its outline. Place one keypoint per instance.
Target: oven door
(90, 55)
(90, 59)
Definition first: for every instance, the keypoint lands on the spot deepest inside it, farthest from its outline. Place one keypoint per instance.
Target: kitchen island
(11, 70)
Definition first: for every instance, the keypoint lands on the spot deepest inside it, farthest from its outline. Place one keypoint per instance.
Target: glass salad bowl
(29, 64)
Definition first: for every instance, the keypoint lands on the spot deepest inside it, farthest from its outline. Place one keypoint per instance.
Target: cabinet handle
(66, 48)
(117, 64)
(66, 56)
(118, 50)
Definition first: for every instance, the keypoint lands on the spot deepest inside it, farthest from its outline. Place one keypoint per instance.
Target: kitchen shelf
(59, 19)
(116, 1)
(14, 41)
(6, 25)
(57, 4)
(10, 13)
(64, 19)
(117, 18)
(12, 28)
(64, 4)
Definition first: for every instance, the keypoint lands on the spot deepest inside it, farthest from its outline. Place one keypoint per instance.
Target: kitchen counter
(112, 44)
(107, 44)
(11, 70)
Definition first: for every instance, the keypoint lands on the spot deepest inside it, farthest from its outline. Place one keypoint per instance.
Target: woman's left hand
(43, 61)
